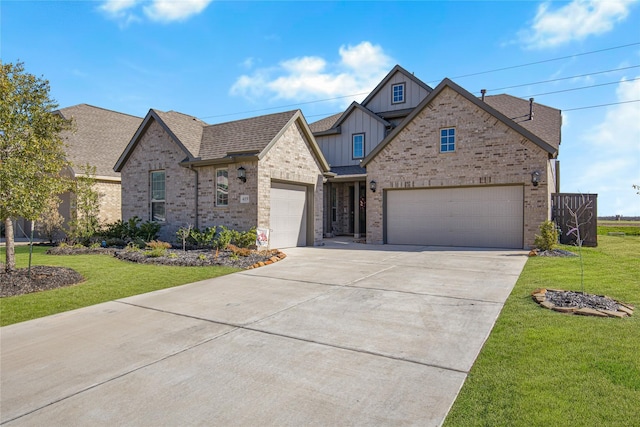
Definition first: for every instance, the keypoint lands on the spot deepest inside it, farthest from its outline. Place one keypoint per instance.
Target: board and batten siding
(337, 149)
(414, 94)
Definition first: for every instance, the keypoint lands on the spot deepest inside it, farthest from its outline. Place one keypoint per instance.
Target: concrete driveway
(345, 334)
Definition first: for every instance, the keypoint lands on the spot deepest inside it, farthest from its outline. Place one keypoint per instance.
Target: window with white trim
(222, 187)
(397, 93)
(358, 145)
(158, 196)
(447, 140)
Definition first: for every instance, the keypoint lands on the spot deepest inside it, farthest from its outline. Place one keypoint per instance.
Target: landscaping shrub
(203, 238)
(223, 238)
(244, 239)
(548, 238)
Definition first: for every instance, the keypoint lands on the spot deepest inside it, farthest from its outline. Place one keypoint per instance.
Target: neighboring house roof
(324, 124)
(546, 121)
(518, 127)
(98, 138)
(210, 144)
(388, 77)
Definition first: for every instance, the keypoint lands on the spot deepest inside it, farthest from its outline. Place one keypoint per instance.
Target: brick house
(97, 139)
(416, 165)
(265, 172)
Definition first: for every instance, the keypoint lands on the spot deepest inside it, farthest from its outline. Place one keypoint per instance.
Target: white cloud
(359, 69)
(155, 10)
(174, 10)
(574, 21)
(612, 154)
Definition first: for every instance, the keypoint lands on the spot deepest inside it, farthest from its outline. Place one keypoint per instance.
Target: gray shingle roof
(546, 121)
(99, 138)
(242, 136)
(325, 124)
(187, 129)
(348, 170)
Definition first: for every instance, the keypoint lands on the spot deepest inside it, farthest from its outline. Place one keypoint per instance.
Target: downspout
(196, 184)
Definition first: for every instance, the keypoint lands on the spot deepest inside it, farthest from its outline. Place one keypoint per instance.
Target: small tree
(579, 217)
(50, 222)
(85, 205)
(32, 153)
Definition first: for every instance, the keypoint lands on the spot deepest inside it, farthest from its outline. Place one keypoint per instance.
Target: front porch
(345, 202)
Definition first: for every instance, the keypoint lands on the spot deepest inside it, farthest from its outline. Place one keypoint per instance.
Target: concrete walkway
(345, 334)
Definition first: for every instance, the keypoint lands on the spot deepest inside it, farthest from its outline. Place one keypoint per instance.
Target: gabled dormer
(396, 95)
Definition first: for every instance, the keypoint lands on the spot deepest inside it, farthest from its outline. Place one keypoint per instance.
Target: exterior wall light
(242, 174)
(535, 178)
(373, 185)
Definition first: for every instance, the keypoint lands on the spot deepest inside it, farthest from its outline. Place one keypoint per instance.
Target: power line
(580, 88)
(563, 78)
(457, 77)
(545, 61)
(601, 105)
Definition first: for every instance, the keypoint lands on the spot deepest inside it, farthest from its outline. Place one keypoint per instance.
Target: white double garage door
(288, 217)
(487, 217)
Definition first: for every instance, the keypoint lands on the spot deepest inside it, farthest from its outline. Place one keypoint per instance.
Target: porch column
(356, 210)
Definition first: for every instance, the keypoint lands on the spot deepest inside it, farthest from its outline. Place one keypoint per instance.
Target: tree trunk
(10, 245)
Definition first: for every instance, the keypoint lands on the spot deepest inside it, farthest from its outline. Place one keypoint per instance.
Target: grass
(107, 278)
(629, 228)
(539, 367)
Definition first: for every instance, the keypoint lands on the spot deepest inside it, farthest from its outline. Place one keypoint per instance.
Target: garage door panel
(288, 218)
(474, 216)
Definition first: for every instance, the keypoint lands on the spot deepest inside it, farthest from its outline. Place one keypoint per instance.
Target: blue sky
(224, 60)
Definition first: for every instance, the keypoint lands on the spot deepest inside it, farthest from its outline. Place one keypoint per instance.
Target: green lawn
(106, 279)
(539, 367)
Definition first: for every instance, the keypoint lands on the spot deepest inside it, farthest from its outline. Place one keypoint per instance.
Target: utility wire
(580, 88)
(563, 78)
(434, 81)
(545, 61)
(601, 105)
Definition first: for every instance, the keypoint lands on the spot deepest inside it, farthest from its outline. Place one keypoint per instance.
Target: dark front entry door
(361, 205)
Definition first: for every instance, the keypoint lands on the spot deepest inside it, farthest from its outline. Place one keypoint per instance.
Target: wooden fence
(576, 212)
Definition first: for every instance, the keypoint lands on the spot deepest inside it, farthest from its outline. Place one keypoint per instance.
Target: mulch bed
(44, 278)
(41, 278)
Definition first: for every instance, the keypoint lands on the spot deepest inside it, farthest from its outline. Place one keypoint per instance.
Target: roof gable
(98, 138)
(397, 69)
(187, 127)
(446, 83)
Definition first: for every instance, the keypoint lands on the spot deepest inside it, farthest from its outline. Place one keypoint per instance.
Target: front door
(358, 201)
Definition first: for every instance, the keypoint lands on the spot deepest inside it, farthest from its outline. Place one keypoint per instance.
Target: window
(447, 140)
(222, 187)
(397, 93)
(157, 196)
(358, 146)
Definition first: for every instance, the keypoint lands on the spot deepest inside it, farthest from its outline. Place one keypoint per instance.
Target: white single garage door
(288, 217)
(488, 217)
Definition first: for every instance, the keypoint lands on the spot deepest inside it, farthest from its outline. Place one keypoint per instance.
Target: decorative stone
(547, 304)
(618, 314)
(585, 311)
(623, 308)
(564, 309)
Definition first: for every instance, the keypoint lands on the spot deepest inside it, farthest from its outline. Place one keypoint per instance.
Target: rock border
(539, 296)
(277, 257)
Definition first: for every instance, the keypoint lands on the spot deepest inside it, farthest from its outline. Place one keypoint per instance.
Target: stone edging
(277, 257)
(539, 296)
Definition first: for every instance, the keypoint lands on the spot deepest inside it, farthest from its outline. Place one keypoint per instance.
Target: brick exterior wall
(156, 151)
(110, 201)
(290, 159)
(487, 153)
